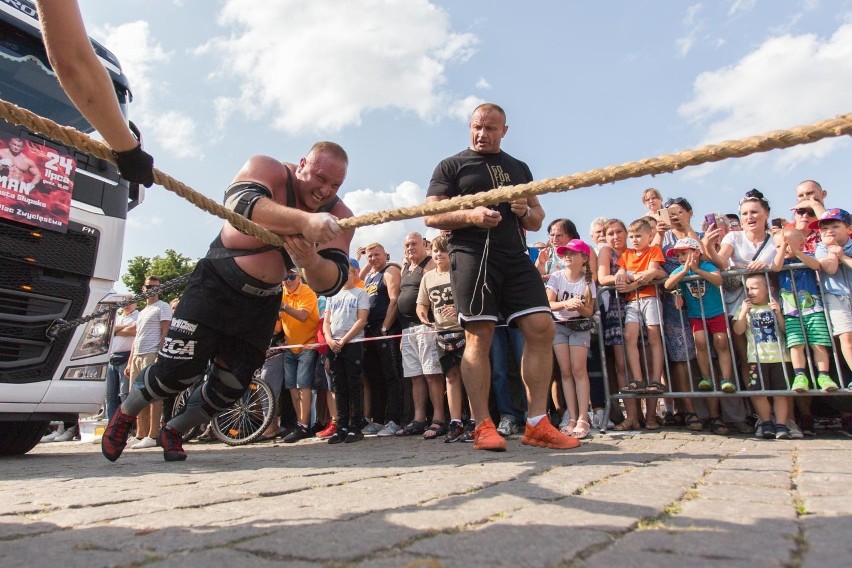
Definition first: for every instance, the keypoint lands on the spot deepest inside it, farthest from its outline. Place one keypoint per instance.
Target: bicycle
(242, 423)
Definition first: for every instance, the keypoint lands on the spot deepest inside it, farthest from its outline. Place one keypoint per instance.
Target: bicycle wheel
(180, 405)
(248, 418)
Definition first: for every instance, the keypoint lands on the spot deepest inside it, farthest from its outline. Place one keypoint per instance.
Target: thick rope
(667, 163)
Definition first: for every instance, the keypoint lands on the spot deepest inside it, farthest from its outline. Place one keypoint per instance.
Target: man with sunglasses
(231, 302)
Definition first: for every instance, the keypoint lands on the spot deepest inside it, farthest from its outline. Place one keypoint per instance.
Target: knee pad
(222, 389)
(152, 388)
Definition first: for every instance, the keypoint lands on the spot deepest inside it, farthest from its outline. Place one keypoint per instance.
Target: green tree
(167, 267)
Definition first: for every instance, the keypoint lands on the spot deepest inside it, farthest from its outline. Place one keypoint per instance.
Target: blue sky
(585, 85)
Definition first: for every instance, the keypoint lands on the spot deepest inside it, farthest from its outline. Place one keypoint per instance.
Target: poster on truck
(36, 184)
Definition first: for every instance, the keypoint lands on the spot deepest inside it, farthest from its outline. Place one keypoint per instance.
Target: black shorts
(484, 288)
(773, 376)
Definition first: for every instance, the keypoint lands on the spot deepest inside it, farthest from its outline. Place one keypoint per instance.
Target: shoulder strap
(756, 254)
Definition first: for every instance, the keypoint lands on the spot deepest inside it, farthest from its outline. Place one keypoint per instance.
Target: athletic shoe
(317, 427)
(704, 384)
(172, 443)
(507, 426)
(795, 432)
(566, 420)
(486, 437)
(339, 436)
(299, 433)
(354, 436)
(371, 428)
(51, 437)
(467, 435)
(116, 434)
(765, 430)
(782, 432)
(67, 435)
(544, 435)
(742, 427)
(328, 432)
(390, 429)
(727, 386)
(806, 424)
(455, 432)
(800, 383)
(825, 383)
(144, 443)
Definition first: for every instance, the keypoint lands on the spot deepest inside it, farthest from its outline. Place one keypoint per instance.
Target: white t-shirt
(342, 311)
(744, 249)
(123, 343)
(566, 289)
(148, 329)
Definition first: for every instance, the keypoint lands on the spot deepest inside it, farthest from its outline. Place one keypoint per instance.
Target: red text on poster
(36, 184)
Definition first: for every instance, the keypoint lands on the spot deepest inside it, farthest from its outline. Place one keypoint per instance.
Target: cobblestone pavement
(673, 498)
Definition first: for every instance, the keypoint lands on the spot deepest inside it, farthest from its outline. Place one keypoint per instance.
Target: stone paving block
(830, 506)
(828, 541)
(741, 493)
(734, 515)
(81, 548)
(723, 545)
(641, 559)
(227, 557)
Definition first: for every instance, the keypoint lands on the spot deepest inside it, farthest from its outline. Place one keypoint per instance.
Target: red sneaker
(486, 437)
(544, 435)
(172, 443)
(116, 434)
(328, 431)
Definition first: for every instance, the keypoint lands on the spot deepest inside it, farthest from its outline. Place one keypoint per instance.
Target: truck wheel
(18, 438)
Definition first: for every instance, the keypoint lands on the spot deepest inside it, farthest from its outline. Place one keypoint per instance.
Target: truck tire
(18, 438)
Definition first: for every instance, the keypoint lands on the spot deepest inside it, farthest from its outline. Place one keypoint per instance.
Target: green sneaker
(727, 386)
(704, 384)
(800, 383)
(825, 383)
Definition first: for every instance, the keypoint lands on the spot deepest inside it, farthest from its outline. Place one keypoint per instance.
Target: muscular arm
(479, 216)
(80, 73)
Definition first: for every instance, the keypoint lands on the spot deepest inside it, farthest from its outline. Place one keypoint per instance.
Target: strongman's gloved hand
(136, 165)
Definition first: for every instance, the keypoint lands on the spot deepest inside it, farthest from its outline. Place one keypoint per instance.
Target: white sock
(534, 420)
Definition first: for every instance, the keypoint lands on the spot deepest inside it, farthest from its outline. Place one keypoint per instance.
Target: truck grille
(43, 276)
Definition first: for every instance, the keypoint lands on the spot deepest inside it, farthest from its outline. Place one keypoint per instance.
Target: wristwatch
(384, 331)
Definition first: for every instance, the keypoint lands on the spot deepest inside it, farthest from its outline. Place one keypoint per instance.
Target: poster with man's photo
(36, 184)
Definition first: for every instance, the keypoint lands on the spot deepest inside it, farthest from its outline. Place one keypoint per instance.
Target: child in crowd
(760, 319)
(800, 298)
(705, 309)
(437, 293)
(345, 319)
(835, 257)
(571, 292)
(638, 267)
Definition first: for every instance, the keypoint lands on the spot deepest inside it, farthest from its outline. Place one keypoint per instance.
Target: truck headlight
(85, 373)
(96, 335)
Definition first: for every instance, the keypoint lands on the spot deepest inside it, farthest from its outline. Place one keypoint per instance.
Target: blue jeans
(299, 369)
(117, 384)
(500, 370)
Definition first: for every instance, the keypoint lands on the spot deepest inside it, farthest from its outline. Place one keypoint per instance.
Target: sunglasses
(809, 212)
(290, 277)
(677, 201)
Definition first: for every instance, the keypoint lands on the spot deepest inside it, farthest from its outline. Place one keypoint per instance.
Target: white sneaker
(795, 431)
(566, 418)
(507, 426)
(67, 435)
(390, 429)
(51, 437)
(597, 419)
(146, 442)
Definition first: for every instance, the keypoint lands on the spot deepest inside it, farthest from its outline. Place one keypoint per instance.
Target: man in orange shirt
(299, 316)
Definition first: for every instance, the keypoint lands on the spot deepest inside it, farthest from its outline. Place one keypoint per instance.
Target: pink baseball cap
(686, 243)
(574, 245)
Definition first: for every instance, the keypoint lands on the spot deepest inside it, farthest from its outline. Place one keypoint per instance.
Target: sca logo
(178, 348)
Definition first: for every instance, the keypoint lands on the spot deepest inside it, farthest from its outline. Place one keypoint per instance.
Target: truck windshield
(27, 80)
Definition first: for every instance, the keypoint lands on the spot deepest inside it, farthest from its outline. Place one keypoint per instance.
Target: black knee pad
(152, 387)
(222, 389)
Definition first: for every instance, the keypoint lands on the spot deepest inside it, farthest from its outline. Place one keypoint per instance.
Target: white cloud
(691, 21)
(483, 83)
(786, 81)
(140, 54)
(390, 235)
(318, 66)
(741, 6)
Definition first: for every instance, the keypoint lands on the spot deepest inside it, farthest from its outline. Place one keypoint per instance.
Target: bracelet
(526, 213)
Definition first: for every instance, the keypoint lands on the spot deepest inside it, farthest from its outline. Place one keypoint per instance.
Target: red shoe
(544, 435)
(328, 431)
(172, 443)
(116, 434)
(486, 437)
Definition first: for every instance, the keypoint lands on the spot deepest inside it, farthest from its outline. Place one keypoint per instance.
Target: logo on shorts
(183, 325)
(178, 348)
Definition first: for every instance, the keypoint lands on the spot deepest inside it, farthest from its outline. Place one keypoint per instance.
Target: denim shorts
(299, 369)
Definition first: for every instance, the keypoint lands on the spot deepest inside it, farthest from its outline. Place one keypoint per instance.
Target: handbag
(733, 282)
(451, 341)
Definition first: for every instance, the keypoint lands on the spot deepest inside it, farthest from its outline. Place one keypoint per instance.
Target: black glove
(136, 165)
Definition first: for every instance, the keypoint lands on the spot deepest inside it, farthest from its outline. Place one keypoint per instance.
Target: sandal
(581, 430)
(633, 387)
(568, 429)
(693, 422)
(652, 424)
(437, 428)
(414, 428)
(626, 425)
(718, 427)
(655, 388)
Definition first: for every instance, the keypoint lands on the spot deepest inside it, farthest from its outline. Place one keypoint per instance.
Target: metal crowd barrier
(616, 302)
